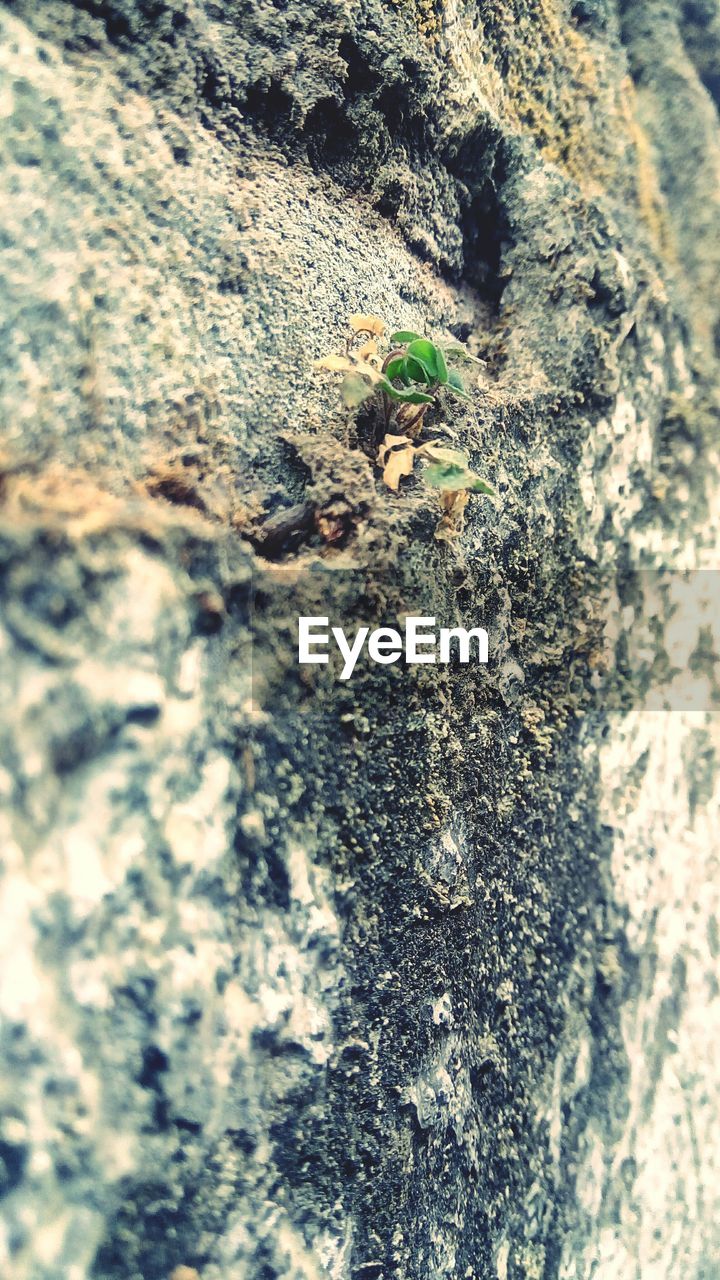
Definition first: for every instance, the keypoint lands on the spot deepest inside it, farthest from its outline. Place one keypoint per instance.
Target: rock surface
(414, 976)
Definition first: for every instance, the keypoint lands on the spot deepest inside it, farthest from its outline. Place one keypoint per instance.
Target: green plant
(418, 362)
(408, 376)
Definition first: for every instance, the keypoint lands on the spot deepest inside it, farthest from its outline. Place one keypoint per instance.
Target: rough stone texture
(417, 976)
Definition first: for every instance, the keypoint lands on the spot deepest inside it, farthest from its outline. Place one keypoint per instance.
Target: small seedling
(409, 376)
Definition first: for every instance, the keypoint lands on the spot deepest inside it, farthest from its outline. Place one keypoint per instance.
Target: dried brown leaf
(450, 524)
(367, 324)
(454, 500)
(396, 456)
(346, 364)
(368, 350)
(335, 363)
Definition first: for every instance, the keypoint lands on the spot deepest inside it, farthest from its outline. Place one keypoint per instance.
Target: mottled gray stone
(415, 977)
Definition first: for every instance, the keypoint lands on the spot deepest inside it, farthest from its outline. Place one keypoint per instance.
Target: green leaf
(416, 371)
(450, 472)
(449, 476)
(403, 335)
(455, 384)
(409, 397)
(405, 397)
(440, 453)
(396, 368)
(459, 353)
(426, 354)
(443, 375)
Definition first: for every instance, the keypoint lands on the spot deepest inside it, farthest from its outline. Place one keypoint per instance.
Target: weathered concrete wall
(414, 977)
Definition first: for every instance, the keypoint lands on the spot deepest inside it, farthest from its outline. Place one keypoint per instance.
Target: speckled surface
(413, 977)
